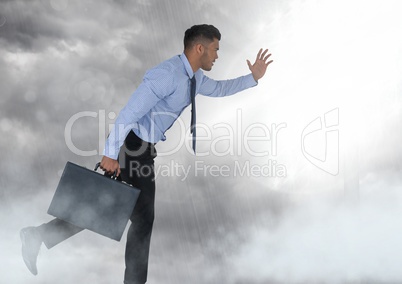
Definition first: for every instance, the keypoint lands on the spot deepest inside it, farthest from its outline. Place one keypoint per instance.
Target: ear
(199, 48)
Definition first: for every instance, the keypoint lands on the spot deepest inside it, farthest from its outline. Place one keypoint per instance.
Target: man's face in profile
(209, 55)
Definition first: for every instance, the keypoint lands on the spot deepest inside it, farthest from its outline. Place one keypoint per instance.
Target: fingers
(269, 62)
(114, 172)
(102, 166)
(263, 56)
(110, 166)
(249, 64)
(259, 54)
(266, 57)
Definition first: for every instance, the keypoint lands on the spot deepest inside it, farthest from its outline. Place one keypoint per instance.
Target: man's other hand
(110, 165)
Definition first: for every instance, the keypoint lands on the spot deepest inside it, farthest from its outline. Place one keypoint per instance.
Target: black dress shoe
(31, 242)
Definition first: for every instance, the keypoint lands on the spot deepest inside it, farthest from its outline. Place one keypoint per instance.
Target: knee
(143, 217)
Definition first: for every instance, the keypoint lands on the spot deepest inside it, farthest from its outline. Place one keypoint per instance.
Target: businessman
(164, 93)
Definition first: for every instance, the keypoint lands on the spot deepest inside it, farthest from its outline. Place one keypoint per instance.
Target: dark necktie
(192, 92)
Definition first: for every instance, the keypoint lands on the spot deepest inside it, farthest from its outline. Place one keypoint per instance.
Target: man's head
(201, 45)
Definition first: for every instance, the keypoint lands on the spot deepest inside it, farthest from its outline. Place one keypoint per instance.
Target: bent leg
(56, 231)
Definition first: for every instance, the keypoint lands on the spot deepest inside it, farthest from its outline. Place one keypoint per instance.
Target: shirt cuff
(110, 150)
(114, 157)
(250, 80)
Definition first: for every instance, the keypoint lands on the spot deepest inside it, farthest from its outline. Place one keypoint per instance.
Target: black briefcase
(93, 201)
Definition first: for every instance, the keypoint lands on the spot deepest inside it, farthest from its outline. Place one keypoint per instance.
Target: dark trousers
(137, 168)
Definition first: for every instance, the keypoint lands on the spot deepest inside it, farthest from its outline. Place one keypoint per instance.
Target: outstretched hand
(260, 65)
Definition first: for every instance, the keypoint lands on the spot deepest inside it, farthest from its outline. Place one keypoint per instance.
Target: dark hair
(200, 32)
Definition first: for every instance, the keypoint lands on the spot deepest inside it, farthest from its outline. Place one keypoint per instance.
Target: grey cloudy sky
(323, 202)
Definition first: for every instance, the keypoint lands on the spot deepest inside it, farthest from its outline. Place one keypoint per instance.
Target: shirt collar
(187, 65)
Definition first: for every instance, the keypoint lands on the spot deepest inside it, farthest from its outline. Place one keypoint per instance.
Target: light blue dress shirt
(160, 99)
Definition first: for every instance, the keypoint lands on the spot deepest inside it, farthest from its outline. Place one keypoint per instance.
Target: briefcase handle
(113, 176)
